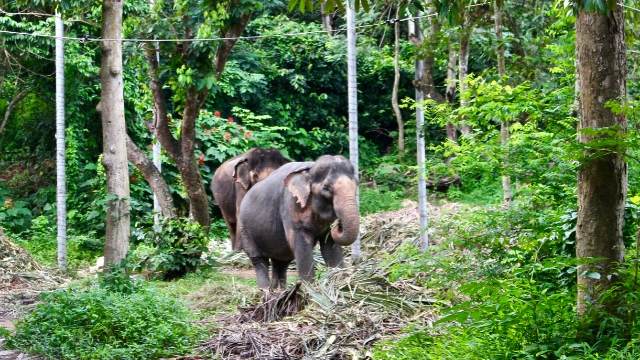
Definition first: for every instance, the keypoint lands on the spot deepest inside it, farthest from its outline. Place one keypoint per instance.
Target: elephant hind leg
(261, 265)
(232, 224)
(279, 274)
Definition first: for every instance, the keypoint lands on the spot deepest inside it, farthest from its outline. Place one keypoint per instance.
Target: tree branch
(12, 104)
(163, 132)
(153, 177)
(235, 30)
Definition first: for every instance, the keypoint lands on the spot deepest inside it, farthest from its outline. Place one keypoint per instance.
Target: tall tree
(602, 177)
(504, 125)
(195, 68)
(352, 93)
(415, 32)
(396, 82)
(156, 155)
(327, 23)
(114, 134)
(61, 185)
(463, 63)
(450, 93)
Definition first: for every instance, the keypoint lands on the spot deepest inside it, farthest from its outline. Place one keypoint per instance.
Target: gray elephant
(236, 176)
(283, 217)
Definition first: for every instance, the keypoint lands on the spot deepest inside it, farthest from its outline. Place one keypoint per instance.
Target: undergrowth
(508, 282)
(115, 319)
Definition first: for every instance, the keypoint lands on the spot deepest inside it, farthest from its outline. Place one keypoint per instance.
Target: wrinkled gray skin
(283, 217)
(235, 177)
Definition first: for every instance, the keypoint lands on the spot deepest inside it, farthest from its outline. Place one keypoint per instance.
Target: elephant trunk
(346, 208)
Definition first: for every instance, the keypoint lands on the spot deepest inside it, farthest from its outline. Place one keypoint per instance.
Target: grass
(210, 292)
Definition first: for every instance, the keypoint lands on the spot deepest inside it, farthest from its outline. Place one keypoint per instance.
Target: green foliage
(98, 323)
(40, 241)
(173, 251)
(379, 199)
(117, 279)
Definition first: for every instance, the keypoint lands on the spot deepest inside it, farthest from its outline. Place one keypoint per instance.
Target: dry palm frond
(21, 279)
(275, 305)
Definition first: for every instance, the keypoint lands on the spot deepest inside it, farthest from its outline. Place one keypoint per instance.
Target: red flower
(201, 159)
(247, 134)
(217, 113)
(227, 136)
(230, 119)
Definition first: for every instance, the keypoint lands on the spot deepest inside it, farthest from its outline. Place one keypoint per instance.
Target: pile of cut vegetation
(21, 278)
(340, 316)
(385, 231)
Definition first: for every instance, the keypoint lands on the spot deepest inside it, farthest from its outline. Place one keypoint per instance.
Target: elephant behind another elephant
(236, 176)
(284, 216)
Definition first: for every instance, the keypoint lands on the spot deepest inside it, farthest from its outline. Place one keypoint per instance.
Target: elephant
(283, 217)
(236, 176)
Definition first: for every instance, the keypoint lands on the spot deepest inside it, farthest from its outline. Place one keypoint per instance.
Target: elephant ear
(299, 186)
(241, 174)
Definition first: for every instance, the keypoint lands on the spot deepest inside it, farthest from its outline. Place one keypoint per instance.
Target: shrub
(99, 324)
(174, 250)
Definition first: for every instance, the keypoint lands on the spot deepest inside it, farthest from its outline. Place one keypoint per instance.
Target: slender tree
(504, 125)
(396, 83)
(114, 134)
(352, 93)
(602, 177)
(157, 158)
(415, 33)
(463, 64)
(450, 93)
(61, 186)
(327, 24)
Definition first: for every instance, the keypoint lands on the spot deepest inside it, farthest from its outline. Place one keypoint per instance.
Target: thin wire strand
(245, 37)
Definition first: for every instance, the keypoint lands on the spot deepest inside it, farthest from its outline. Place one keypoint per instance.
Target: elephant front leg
(279, 274)
(331, 253)
(303, 253)
(261, 265)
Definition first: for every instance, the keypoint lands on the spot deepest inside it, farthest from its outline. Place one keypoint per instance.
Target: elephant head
(257, 164)
(328, 189)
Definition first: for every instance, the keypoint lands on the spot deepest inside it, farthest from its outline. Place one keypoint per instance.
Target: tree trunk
(152, 175)
(451, 87)
(187, 164)
(415, 33)
(426, 82)
(602, 178)
(114, 135)
(504, 125)
(156, 156)
(396, 84)
(352, 92)
(61, 185)
(326, 18)
(465, 35)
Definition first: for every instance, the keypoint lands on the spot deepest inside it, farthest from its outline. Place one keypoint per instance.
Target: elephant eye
(326, 190)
